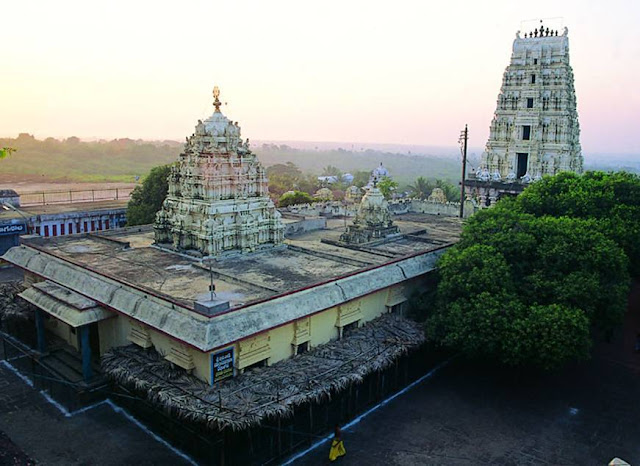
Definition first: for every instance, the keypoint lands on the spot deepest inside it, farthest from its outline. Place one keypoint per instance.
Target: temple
(218, 199)
(373, 218)
(535, 130)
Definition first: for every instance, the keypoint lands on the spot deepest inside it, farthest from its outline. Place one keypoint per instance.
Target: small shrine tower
(373, 218)
(218, 199)
(535, 130)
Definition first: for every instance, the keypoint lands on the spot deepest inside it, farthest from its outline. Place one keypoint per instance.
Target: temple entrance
(523, 159)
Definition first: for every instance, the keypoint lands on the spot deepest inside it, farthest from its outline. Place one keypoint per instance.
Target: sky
(401, 72)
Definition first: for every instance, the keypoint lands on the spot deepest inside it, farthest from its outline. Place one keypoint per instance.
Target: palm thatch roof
(246, 400)
(11, 307)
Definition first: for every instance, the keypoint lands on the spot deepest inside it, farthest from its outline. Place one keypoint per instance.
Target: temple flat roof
(264, 289)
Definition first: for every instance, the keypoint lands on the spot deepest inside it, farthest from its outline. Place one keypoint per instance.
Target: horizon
(409, 75)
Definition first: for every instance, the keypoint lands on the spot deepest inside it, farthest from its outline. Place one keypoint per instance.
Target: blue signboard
(13, 229)
(221, 365)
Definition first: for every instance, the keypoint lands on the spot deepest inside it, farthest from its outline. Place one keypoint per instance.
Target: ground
(465, 414)
(32, 429)
(476, 414)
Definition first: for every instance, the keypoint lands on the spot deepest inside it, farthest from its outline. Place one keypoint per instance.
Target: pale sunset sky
(404, 72)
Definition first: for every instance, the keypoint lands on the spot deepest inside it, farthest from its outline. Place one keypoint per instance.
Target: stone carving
(372, 221)
(353, 194)
(218, 199)
(535, 128)
(437, 195)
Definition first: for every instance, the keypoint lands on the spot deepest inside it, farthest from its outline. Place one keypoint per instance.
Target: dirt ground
(471, 414)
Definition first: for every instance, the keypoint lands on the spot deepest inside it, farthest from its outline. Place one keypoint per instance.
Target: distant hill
(124, 159)
(75, 160)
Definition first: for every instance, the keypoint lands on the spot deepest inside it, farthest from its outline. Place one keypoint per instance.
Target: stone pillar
(85, 349)
(41, 342)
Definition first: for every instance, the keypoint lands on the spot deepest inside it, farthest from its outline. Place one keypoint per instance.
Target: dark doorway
(523, 159)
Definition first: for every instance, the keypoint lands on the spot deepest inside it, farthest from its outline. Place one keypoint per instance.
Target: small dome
(380, 172)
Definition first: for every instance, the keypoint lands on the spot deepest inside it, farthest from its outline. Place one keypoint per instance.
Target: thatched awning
(247, 399)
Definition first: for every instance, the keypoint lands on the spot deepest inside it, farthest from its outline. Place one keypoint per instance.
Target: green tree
(295, 197)
(612, 199)
(422, 188)
(451, 191)
(526, 290)
(147, 198)
(387, 186)
(330, 170)
(284, 177)
(6, 151)
(360, 178)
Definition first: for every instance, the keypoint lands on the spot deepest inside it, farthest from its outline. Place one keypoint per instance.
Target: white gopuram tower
(218, 198)
(535, 130)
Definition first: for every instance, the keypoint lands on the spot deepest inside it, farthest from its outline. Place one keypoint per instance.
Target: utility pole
(464, 137)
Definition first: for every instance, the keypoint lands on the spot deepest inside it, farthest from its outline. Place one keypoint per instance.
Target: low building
(58, 219)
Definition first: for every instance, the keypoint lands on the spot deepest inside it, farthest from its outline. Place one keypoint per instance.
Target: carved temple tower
(218, 199)
(535, 130)
(373, 217)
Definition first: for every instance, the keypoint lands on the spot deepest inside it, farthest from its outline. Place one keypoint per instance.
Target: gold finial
(216, 101)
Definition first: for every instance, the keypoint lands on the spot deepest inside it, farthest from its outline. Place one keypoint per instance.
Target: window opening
(523, 159)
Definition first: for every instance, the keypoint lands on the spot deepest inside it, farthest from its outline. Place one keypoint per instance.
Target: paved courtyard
(469, 414)
(33, 429)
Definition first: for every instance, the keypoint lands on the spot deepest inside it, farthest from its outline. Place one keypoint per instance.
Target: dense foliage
(6, 151)
(387, 186)
(124, 159)
(293, 198)
(146, 199)
(423, 187)
(533, 276)
(72, 159)
(285, 177)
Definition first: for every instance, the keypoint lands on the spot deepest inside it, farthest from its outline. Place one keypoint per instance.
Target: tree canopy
(147, 198)
(6, 151)
(532, 276)
(294, 197)
(284, 177)
(422, 188)
(387, 186)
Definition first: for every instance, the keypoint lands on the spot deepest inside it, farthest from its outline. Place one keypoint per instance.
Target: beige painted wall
(322, 329)
(62, 330)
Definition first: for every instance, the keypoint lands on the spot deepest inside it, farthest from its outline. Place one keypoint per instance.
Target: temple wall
(276, 344)
(303, 225)
(397, 207)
